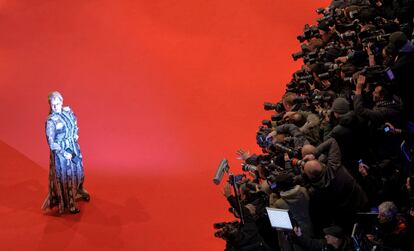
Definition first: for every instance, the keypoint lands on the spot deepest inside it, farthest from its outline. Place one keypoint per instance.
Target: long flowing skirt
(65, 184)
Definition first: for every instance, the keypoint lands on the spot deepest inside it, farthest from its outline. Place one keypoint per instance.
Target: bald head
(312, 169)
(308, 149)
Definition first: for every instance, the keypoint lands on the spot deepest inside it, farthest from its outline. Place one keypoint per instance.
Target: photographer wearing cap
(335, 239)
(347, 133)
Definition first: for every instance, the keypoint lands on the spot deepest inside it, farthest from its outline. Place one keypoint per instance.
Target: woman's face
(56, 105)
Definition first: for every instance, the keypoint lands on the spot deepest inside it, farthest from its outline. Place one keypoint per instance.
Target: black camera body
(308, 33)
(278, 107)
(226, 230)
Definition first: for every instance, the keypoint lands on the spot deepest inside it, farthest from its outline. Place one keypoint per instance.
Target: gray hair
(53, 95)
(389, 209)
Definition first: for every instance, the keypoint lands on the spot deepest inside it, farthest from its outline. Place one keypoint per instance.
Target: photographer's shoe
(86, 197)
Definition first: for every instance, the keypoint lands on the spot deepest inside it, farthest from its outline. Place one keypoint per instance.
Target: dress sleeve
(76, 127)
(50, 136)
(75, 122)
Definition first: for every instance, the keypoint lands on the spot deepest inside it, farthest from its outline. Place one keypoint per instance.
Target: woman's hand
(67, 155)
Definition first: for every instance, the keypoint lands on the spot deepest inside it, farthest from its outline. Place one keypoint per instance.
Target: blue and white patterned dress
(65, 176)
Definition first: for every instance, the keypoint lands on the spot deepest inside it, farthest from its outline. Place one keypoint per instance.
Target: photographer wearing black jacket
(386, 108)
(392, 232)
(335, 239)
(402, 51)
(347, 133)
(335, 196)
(246, 237)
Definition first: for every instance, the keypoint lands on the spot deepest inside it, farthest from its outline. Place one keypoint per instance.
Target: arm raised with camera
(379, 115)
(331, 148)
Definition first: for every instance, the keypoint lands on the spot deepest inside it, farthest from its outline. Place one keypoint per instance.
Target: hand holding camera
(67, 155)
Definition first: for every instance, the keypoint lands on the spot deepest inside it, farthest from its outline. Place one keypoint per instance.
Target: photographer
(288, 101)
(392, 232)
(334, 193)
(402, 10)
(247, 236)
(250, 193)
(402, 51)
(371, 182)
(307, 122)
(386, 108)
(331, 83)
(335, 239)
(326, 32)
(295, 198)
(347, 133)
(291, 130)
(385, 104)
(347, 84)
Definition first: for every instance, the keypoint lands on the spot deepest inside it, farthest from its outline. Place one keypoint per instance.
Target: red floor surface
(163, 90)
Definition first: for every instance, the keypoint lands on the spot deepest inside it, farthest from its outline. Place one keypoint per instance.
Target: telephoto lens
(248, 168)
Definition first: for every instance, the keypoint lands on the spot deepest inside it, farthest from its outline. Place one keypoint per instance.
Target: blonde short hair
(53, 95)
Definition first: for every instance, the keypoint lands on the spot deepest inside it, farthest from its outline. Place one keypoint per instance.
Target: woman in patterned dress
(66, 169)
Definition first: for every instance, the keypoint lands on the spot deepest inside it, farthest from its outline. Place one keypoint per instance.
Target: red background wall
(163, 90)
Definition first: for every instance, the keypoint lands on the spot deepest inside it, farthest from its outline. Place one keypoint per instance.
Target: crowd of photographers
(338, 150)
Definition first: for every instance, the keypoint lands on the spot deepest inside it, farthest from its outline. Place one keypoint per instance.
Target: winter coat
(296, 200)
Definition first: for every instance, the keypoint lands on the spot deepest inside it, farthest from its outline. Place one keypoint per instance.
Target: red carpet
(163, 90)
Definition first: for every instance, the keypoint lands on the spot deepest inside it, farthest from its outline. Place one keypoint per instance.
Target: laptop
(279, 218)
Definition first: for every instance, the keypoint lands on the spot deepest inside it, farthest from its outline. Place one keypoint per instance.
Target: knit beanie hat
(334, 231)
(340, 105)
